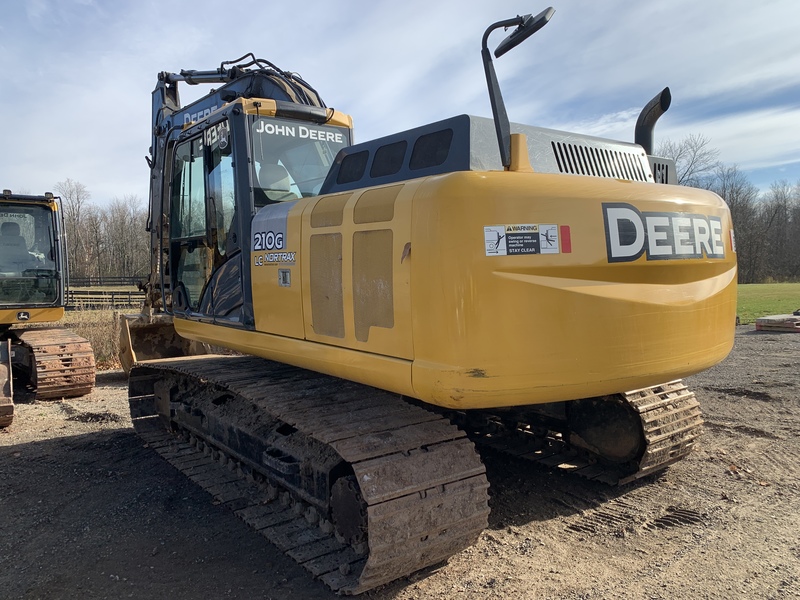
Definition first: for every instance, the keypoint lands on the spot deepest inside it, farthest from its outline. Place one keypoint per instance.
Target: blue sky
(77, 74)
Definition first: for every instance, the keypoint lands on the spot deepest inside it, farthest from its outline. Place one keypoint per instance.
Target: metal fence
(101, 281)
(103, 299)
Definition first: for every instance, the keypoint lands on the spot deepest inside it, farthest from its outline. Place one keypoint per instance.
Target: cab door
(205, 253)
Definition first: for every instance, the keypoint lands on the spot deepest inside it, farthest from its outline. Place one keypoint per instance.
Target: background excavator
(392, 304)
(47, 361)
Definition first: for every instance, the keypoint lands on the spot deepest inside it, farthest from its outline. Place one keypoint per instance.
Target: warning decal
(505, 240)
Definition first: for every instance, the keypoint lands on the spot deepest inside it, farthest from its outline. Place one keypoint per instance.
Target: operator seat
(274, 181)
(13, 249)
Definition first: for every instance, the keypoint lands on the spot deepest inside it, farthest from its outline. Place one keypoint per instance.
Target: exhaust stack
(643, 134)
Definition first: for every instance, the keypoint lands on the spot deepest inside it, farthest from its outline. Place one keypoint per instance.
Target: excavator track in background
(6, 385)
(64, 362)
(666, 419)
(354, 483)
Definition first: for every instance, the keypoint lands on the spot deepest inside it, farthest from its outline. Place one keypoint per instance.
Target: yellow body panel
(279, 309)
(37, 315)
(266, 107)
(358, 237)
(50, 203)
(380, 371)
(391, 229)
(449, 323)
(511, 330)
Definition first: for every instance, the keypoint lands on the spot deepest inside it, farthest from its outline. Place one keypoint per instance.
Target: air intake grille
(598, 162)
(662, 172)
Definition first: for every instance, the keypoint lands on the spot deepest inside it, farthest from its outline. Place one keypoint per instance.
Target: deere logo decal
(660, 235)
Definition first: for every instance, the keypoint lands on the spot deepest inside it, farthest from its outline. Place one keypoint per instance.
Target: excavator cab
(31, 260)
(202, 207)
(211, 205)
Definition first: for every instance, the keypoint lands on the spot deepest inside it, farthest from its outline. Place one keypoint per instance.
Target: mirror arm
(501, 123)
(526, 27)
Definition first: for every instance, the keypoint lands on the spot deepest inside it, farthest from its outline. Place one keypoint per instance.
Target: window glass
(188, 217)
(28, 273)
(220, 181)
(189, 252)
(431, 150)
(292, 158)
(353, 167)
(388, 159)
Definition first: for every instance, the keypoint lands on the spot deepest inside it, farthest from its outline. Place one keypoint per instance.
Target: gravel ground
(90, 512)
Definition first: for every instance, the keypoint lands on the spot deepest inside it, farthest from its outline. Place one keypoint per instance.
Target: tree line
(766, 224)
(104, 241)
(110, 241)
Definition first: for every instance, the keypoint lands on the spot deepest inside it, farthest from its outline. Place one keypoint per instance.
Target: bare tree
(95, 241)
(779, 205)
(74, 198)
(742, 199)
(793, 243)
(108, 241)
(127, 242)
(694, 159)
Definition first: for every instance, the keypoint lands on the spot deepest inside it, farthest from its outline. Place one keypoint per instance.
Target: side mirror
(527, 28)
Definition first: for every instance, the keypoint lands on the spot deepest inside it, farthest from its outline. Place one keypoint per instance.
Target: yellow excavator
(390, 305)
(42, 360)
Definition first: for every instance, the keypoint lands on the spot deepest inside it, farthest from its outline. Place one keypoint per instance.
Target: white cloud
(756, 139)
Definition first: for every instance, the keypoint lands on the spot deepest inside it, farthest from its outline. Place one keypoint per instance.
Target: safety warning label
(505, 240)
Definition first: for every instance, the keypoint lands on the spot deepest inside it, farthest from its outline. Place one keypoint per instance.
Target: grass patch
(100, 328)
(762, 299)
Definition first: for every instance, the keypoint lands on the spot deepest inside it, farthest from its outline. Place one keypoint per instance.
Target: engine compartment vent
(578, 159)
